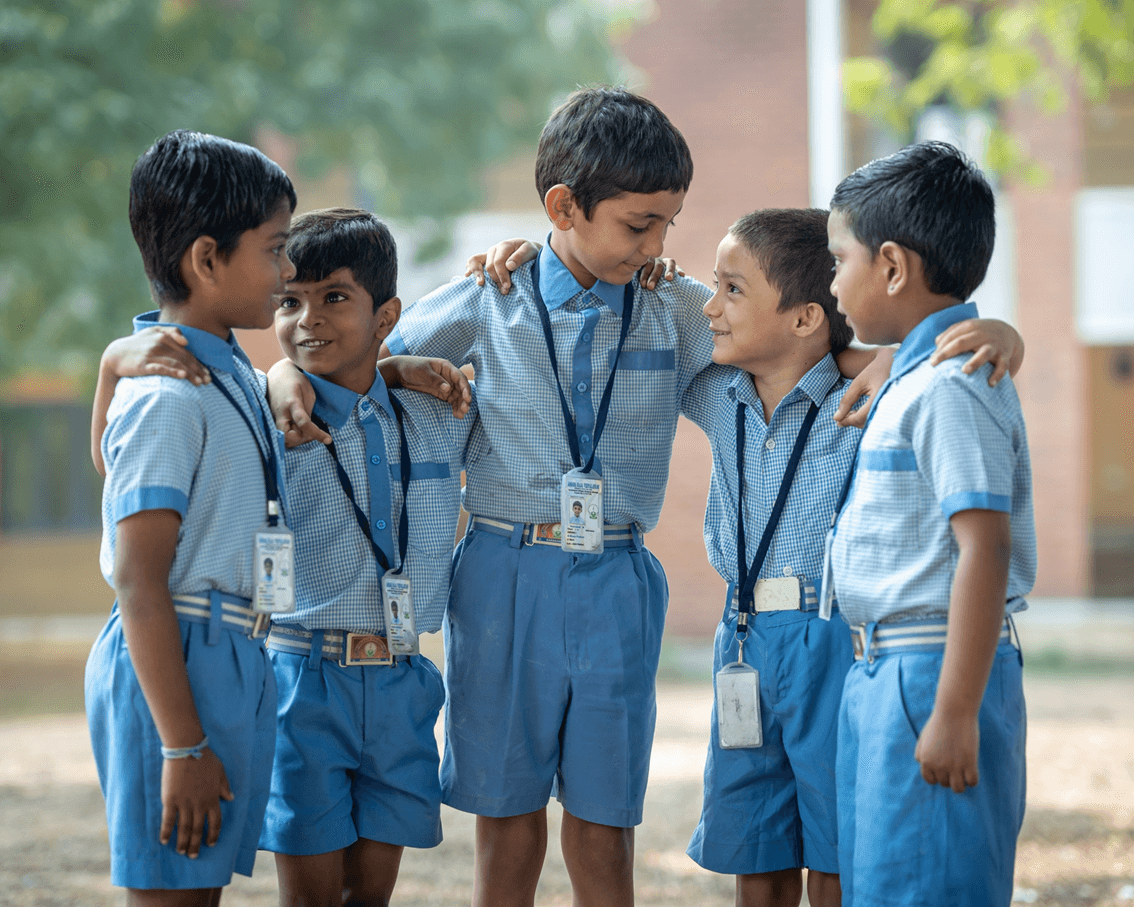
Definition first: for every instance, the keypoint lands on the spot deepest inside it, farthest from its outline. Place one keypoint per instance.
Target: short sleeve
(702, 398)
(963, 449)
(444, 324)
(152, 445)
(695, 351)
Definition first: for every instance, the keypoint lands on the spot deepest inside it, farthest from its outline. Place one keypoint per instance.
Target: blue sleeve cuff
(153, 497)
(975, 500)
(395, 344)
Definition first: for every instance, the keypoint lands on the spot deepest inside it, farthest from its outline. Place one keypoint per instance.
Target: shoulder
(155, 397)
(432, 420)
(682, 293)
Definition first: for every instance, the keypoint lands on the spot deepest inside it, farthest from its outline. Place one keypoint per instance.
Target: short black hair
(326, 240)
(190, 184)
(602, 142)
(790, 246)
(931, 199)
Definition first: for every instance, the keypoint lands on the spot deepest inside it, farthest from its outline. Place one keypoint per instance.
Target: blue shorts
(234, 691)
(903, 841)
(356, 755)
(551, 663)
(774, 807)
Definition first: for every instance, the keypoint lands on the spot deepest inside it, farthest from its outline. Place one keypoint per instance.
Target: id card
(273, 549)
(580, 512)
(397, 595)
(827, 590)
(738, 707)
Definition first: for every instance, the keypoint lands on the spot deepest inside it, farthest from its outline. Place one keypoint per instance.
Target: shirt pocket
(645, 388)
(434, 498)
(891, 500)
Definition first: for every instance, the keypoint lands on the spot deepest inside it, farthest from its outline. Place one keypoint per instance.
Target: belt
(807, 601)
(234, 613)
(621, 535)
(871, 641)
(342, 646)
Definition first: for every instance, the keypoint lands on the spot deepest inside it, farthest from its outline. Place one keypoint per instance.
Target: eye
(288, 302)
(278, 250)
(334, 297)
(638, 230)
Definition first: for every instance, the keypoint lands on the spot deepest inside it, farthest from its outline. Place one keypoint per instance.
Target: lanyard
(604, 405)
(267, 460)
(746, 577)
(348, 490)
(854, 463)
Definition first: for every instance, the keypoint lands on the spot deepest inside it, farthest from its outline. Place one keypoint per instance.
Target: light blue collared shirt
(518, 451)
(938, 442)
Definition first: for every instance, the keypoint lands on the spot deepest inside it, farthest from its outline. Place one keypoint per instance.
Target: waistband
(874, 640)
(345, 647)
(622, 535)
(220, 611)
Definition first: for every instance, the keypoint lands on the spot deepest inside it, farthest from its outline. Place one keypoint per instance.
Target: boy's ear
(559, 203)
(199, 263)
(808, 319)
(897, 263)
(388, 314)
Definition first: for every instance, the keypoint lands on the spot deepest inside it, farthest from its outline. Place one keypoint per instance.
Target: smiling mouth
(313, 344)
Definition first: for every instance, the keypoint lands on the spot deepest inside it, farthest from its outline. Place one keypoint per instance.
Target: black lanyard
(747, 576)
(267, 460)
(604, 405)
(854, 463)
(348, 489)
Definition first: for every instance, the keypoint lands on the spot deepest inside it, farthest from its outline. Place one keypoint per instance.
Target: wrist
(186, 752)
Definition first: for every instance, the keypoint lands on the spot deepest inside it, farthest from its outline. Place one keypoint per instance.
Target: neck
(561, 247)
(190, 316)
(777, 380)
(916, 309)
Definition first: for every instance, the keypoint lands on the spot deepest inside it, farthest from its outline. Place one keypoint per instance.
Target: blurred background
(427, 112)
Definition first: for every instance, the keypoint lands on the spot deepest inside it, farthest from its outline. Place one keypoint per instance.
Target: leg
(310, 881)
(370, 869)
(782, 888)
(823, 889)
(600, 862)
(509, 858)
(163, 897)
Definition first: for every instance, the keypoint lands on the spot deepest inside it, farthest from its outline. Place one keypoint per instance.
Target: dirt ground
(1077, 847)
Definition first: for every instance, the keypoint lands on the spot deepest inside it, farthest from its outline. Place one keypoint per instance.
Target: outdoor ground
(1077, 846)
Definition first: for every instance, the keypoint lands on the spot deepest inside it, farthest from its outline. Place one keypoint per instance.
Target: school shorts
(773, 807)
(356, 755)
(903, 841)
(234, 691)
(551, 659)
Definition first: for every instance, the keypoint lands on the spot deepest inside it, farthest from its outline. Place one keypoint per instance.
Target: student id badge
(273, 550)
(738, 707)
(397, 596)
(580, 512)
(827, 589)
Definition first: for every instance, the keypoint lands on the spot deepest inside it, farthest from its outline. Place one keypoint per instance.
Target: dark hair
(790, 246)
(930, 199)
(189, 184)
(605, 141)
(324, 241)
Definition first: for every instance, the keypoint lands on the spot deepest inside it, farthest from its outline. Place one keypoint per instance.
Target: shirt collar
(335, 403)
(208, 348)
(921, 341)
(557, 284)
(813, 386)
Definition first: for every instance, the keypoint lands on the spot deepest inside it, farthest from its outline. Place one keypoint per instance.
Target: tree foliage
(975, 55)
(416, 96)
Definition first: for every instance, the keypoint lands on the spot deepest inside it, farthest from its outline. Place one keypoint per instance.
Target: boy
(933, 549)
(180, 697)
(356, 771)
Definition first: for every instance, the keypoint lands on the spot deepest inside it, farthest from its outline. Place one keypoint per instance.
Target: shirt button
(787, 571)
(770, 444)
(381, 524)
(364, 406)
(586, 337)
(581, 387)
(375, 459)
(586, 439)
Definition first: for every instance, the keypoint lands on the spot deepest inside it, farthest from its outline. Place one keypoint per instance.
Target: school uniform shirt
(171, 445)
(938, 442)
(338, 578)
(518, 451)
(797, 545)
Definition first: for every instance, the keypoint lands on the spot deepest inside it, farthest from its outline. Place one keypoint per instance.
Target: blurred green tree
(416, 96)
(975, 55)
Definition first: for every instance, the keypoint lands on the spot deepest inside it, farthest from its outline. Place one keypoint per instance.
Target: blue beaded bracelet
(184, 752)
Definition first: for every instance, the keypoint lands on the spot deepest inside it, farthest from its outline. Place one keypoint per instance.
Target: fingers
(192, 836)
(300, 429)
(855, 394)
(168, 820)
(474, 267)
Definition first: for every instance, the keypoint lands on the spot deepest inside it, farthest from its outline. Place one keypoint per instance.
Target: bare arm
(191, 789)
(949, 745)
(989, 340)
(436, 377)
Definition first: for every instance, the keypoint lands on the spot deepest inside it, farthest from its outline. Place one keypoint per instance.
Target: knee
(824, 889)
(599, 849)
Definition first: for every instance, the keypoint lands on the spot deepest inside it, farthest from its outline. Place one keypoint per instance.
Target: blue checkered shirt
(170, 445)
(518, 451)
(938, 442)
(337, 576)
(797, 545)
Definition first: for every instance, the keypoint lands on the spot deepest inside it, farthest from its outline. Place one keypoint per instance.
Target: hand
(500, 261)
(989, 340)
(155, 351)
(292, 400)
(191, 791)
(948, 749)
(656, 268)
(867, 384)
(436, 377)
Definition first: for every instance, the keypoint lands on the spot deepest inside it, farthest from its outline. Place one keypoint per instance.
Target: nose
(712, 307)
(287, 269)
(653, 243)
(309, 315)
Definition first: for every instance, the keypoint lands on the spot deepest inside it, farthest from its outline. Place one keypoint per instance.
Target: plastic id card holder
(827, 589)
(273, 549)
(738, 707)
(580, 512)
(397, 595)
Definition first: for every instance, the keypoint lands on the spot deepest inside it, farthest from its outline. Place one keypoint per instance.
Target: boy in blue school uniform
(180, 696)
(355, 778)
(931, 553)
(769, 808)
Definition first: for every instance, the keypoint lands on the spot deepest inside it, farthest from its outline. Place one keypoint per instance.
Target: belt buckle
(261, 624)
(858, 642)
(365, 649)
(546, 532)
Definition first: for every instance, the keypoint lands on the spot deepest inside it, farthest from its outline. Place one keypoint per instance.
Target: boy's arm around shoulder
(446, 324)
